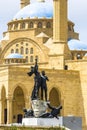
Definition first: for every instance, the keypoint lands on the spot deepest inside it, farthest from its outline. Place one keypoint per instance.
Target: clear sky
(77, 12)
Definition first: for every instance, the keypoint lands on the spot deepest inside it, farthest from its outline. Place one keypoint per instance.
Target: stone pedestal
(43, 122)
(69, 123)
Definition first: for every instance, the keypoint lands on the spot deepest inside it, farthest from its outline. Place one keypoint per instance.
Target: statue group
(39, 82)
(38, 100)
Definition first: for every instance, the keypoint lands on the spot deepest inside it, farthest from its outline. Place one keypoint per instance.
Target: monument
(38, 115)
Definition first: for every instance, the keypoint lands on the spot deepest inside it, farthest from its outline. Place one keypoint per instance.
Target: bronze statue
(44, 78)
(54, 112)
(37, 81)
(40, 82)
(28, 113)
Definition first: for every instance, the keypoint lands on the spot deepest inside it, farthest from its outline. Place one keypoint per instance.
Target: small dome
(42, 34)
(38, 9)
(85, 57)
(76, 45)
(49, 43)
(14, 56)
(85, 54)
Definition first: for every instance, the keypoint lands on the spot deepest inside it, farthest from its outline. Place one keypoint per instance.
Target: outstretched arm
(47, 78)
(60, 107)
(50, 106)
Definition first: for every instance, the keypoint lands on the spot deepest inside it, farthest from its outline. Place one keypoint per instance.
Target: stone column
(9, 110)
(60, 21)
(35, 24)
(19, 26)
(75, 56)
(26, 25)
(27, 102)
(44, 24)
(13, 27)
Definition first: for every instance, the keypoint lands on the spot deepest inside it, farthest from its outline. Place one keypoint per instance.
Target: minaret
(59, 48)
(24, 3)
(60, 21)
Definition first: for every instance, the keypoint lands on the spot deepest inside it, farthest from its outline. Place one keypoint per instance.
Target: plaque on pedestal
(43, 122)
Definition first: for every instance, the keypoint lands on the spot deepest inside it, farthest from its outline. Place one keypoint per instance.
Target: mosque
(42, 30)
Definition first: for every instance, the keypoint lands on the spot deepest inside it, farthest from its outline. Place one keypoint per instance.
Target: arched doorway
(18, 105)
(3, 106)
(54, 97)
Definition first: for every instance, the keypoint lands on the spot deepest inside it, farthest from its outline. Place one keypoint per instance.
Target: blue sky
(77, 12)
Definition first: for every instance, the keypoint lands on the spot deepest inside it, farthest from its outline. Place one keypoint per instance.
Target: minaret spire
(59, 50)
(60, 21)
(24, 3)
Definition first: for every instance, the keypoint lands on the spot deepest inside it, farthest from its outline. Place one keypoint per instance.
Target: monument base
(44, 122)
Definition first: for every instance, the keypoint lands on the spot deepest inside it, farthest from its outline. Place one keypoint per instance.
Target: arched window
(36, 57)
(39, 25)
(12, 50)
(31, 58)
(21, 43)
(26, 50)
(17, 51)
(55, 97)
(17, 45)
(10, 27)
(48, 25)
(12, 61)
(22, 50)
(69, 28)
(26, 44)
(31, 25)
(31, 50)
(22, 25)
(79, 56)
(27, 59)
(16, 61)
(16, 26)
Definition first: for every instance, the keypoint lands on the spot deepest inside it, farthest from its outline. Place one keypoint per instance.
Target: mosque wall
(81, 66)
(64, 87)
(3, 79)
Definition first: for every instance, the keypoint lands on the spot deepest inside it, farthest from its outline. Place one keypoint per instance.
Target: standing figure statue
(44, 78)
(37, 81)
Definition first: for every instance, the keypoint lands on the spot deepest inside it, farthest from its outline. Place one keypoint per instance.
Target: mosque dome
(76, 45)
(38, 9)
(14, 56)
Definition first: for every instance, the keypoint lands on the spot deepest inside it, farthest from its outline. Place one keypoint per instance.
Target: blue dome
(14, 56)
(38, 9)
(76, 45)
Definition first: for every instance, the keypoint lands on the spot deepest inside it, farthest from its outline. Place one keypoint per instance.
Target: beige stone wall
(81, 66)
(66, 87)
(63, 86)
